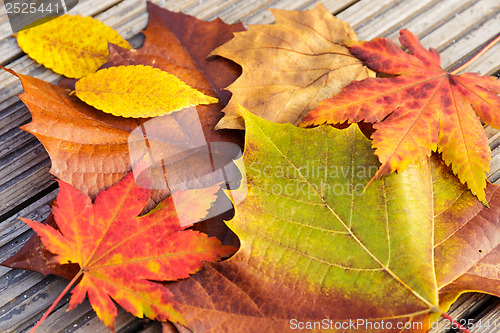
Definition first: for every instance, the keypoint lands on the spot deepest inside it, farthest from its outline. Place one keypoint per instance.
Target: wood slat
(399, 12)
(32, 303)
(243, 9)
(208, 10)
(472, 40)
(11, 227)
(362, 12)
(432, 17)
(265, 16)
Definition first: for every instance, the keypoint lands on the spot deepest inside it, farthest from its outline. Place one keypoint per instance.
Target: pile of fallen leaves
(328, 234)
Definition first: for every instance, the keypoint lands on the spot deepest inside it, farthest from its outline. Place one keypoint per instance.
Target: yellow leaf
(73, 46)
(138, 92)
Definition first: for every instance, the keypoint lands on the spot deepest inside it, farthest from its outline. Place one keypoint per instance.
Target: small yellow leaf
(138, 92)
(73, 46)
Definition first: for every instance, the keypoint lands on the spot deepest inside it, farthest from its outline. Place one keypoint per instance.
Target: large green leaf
(314, 245)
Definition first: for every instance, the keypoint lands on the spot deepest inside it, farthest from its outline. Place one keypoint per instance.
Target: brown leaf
(34, 255)
(289, 66)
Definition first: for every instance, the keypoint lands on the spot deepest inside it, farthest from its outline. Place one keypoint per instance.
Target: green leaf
(307, 187)
(314, 245)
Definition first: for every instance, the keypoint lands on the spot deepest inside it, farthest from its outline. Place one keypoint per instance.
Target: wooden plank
(363, 11)
(488, 64)
(463, 305)
(265, 17)
(16, 284)
(334, 6)
(471, 41)
(22, 312)
(12, 245)
(489, 320)
(12, 227)
(29, 154)
(11, 116)
(208, 10)
(393, 16)
(5, 28)
(123, 319)
(243, 9)
(61, 320)
(431, 18)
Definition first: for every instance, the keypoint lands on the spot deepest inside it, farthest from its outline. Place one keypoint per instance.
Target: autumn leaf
(315, 244)
(138, 92)
(34, 256)
(90, 149)
(289, 66)
(422, 109)
(120, 253)
(99, 149)
(71, 45)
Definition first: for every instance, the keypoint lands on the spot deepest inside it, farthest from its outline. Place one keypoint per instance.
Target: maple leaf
(138, 92)
(424, 108)
(119, 253)
(315, 244)
(73, 46)
(100, 149)
(289, 66)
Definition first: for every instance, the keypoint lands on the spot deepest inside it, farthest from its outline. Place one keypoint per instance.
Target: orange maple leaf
(119, 252)
(424, 108)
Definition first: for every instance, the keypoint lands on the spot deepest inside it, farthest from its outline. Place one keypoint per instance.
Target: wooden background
(456, 28)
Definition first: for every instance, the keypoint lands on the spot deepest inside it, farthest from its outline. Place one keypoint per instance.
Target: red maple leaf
(121, 253)
(423, 108)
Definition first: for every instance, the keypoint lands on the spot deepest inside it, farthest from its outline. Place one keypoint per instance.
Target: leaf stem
(474, 58)
(456, 323)
(57, 300)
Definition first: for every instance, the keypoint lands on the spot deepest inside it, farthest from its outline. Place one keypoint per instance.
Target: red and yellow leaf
(422, 109)
(121, 253)
(89, 149)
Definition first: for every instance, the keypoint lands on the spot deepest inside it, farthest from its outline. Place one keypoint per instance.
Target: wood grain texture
(457, 28)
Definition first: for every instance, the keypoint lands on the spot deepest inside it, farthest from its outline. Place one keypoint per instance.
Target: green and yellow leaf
(315, 244)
